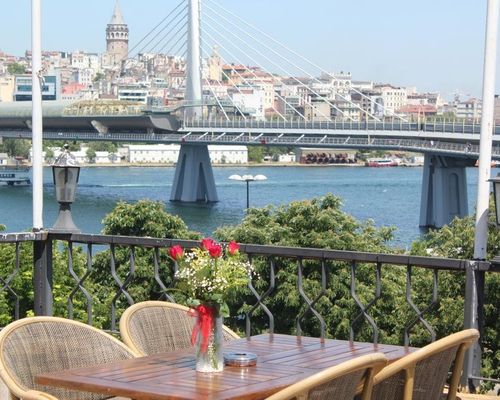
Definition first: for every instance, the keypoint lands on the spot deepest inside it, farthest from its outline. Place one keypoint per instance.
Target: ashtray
(240, 359)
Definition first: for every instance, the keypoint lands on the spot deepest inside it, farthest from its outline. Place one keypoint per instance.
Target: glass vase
(211, 360)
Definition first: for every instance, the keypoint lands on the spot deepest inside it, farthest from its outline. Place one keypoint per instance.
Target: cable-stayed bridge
(226, 103)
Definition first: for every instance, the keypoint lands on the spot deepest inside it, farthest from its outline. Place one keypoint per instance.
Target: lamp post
(65, 172)
(248, 179)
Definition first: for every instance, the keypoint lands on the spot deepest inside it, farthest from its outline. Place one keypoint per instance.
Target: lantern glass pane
(65, 181)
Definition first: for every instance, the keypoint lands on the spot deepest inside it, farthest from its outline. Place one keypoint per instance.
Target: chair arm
(36, 395)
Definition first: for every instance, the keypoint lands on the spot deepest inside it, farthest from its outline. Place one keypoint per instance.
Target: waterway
(389, 196)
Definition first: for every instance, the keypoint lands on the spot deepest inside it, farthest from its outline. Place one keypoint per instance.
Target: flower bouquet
(206, 275)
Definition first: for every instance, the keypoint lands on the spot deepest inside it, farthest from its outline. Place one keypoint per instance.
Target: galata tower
(116, 38)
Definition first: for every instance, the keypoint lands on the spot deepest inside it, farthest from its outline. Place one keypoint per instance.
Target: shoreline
(274, 164)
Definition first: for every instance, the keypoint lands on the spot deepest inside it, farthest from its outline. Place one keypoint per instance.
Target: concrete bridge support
(444, 190)
(194, 179)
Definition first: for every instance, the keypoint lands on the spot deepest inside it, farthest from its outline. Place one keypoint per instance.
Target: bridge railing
(66, 268)
(384, 125)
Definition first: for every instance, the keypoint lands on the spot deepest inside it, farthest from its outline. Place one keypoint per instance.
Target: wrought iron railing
(82, 252)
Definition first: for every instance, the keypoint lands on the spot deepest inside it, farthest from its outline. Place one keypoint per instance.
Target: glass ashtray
(240, 359)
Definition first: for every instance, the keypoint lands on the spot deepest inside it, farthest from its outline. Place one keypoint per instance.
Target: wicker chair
(422, 375)
(153, 327)
(339, 382)
(32, 346)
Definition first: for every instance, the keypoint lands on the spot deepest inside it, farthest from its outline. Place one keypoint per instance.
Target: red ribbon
(204, 322)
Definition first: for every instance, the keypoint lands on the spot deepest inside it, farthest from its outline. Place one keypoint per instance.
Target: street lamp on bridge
(248, 179)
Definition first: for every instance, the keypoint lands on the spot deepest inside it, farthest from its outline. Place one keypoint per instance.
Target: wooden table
(282, 360)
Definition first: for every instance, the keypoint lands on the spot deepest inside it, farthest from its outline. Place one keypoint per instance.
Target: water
(389, 196)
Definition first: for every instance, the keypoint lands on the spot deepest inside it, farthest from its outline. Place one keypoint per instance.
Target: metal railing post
(473, 318)
(42, 277)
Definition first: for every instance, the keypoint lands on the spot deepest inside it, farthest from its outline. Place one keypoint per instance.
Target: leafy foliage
(16, 147)
(16, 69)
(144, 218)
(457, 241)
(319, 223)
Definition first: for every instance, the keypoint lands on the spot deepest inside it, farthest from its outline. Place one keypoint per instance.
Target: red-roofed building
(418, 110)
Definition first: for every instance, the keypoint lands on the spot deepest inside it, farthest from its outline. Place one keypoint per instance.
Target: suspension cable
(255, 76)
(280, 67)
(303, 58)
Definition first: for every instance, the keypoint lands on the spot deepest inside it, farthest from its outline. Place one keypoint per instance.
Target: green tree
(49, 154)
(98, 77)
(144, 218)
(16, 69)
(457, 241)
(317, 223)
(103, 146)
(16, 147)
(255, 153)
(90, 154)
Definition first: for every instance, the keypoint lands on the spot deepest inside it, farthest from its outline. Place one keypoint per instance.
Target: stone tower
(116, 38)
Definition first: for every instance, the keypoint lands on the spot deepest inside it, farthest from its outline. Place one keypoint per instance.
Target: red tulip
(176, 252)
(233, 248)
(215, 250)
(207, 243)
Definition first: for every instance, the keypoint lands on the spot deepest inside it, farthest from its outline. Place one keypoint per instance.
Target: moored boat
(14, 175)
(381, 162)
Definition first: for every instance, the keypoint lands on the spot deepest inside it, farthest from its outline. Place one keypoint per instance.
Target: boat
(14, 175)
(381, 162)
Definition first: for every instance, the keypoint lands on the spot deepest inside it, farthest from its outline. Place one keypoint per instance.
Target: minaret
(117, 37)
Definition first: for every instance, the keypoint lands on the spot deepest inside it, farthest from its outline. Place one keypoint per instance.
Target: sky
(435, 45)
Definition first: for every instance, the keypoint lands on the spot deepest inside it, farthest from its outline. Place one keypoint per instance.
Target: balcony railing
(33, 253)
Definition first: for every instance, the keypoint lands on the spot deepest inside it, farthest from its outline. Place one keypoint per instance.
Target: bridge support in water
(194, 179)
(444, 190)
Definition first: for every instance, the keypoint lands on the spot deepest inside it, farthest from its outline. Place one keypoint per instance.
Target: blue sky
(435, 45)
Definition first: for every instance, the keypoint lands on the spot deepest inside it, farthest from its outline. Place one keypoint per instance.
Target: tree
(98, 77)
(49, 154)
(456, 240)
(16, 69)
(316, 223)
(255, 153)
(144, 218)
(16, 147)
(90, 154)
(103, 146)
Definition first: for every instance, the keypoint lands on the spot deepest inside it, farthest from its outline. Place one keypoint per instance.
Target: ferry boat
(381, 162)
(14, 175)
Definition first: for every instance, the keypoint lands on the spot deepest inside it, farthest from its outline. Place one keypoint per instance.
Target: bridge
(207, 117)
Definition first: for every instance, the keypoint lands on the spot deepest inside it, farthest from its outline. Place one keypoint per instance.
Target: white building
(393, 98)
(105, 157)
(152, 153)
(470, 109)
(251, 100)
(169, 153)
(221, 154)
(136, 93)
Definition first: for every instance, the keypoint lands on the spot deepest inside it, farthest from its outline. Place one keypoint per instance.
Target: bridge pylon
(194, 180)
(444, 190)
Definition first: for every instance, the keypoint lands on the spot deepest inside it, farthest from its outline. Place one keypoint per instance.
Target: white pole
(484, 170)
(193, 78)
(36, 123)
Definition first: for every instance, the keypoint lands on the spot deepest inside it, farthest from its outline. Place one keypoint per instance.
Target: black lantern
(65, 172)
(496, 193)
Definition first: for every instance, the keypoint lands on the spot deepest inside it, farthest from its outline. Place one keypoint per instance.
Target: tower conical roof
(117, 18)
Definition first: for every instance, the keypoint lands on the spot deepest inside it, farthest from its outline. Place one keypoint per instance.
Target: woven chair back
(422, 375)
(154, 327)
(39, 345)
(342, 381)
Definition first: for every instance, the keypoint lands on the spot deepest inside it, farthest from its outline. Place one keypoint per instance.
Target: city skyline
(433, 46)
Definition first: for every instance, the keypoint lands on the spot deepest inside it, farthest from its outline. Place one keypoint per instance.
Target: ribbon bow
(204, 322)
